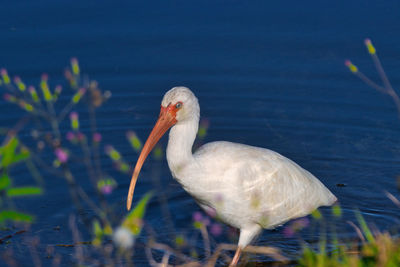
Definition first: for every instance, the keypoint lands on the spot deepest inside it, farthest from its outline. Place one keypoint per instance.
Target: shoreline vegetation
(114, 240)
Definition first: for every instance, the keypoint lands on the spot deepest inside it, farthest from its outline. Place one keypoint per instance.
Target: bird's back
(247, 185)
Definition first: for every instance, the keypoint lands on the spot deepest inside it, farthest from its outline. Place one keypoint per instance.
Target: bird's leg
(247, 234)
(236, 257)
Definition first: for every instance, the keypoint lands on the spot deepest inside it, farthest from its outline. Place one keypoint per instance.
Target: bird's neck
(180, 143)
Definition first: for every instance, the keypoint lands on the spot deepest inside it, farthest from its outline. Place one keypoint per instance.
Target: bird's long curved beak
(165, 121)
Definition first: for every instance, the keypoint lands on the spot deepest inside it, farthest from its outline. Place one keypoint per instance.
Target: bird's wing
(265, 180)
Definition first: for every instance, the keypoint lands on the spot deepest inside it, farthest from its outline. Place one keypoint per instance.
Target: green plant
(386, 88)
(46, 117)
(375, 249)
(12, 152)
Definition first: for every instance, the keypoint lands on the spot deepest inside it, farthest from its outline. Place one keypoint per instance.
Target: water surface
(266, 74)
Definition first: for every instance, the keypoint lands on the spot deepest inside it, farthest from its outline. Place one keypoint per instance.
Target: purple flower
(205, 123)
(3, 72)
(40, 145)
(216, 229)
(70, 136)
(288, 231)
(7, 97)
(73, 116)
(97, 137)
(45, 76)
(108, 149)
(68, 75)
(82, 91)
(80, 136)
(295, 226)
(106, 186)
(130, 134)
(197, 216)
(61, 155)
(74, 60)
(58, 89)
(303, 222)
(106, 189)
(211, 212)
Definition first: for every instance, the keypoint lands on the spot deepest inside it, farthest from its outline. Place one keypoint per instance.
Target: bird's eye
(178, 105)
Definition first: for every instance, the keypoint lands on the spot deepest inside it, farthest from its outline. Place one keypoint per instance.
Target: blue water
(266, 74)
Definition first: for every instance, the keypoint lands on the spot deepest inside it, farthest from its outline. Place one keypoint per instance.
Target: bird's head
(182, 102)
(178, 105)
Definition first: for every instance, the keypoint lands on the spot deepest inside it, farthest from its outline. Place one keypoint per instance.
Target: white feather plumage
(250, 188)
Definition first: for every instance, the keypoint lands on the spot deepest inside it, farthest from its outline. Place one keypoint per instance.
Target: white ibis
(248, 187)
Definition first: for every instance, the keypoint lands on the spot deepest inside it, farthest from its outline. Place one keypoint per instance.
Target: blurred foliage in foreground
(54, 152)
(12, 152)
(376, 249)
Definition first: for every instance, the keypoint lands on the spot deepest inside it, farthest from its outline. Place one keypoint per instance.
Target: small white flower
(123, 238)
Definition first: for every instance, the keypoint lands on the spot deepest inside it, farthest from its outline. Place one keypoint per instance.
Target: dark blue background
(269, 74)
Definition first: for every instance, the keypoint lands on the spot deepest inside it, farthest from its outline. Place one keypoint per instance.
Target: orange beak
(166, 120)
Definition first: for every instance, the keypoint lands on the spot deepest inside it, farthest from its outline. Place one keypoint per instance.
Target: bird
(246, 187)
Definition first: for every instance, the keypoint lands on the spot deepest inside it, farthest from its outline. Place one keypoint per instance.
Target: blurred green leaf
(336, 210)
(76, 98)
(75, 66)
(46, 91)
(75, 124)
(140, 208)
(364, 227)
(180, 240)
(15, 216)
(98, 233)
(133, 221)
(23, 155)
(136, 144)
(197, 225)
(4, 181)
(316, 214)
(194, 254)
(202, 132)
(123, 167)
(158, 152)
(203, 127)
(8, 152)
(24, 191)
(107, 229)
(134, 140)
(5, 77)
